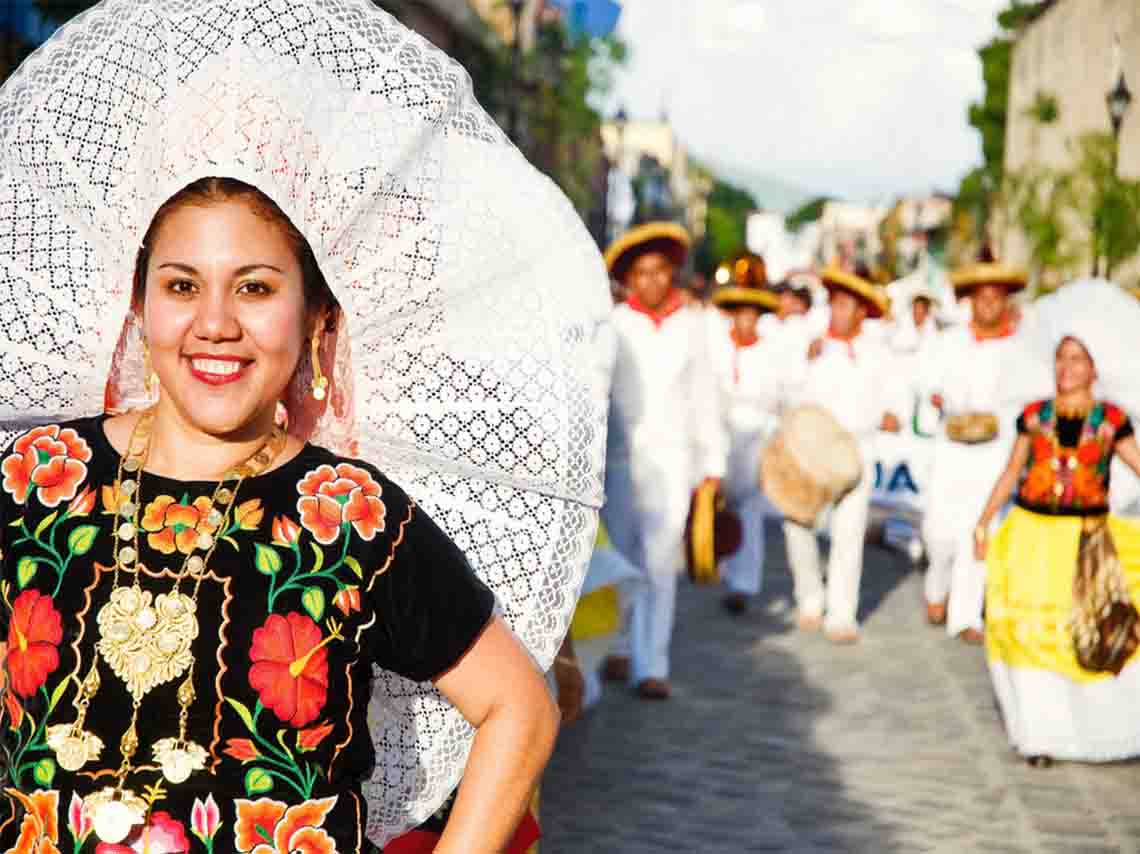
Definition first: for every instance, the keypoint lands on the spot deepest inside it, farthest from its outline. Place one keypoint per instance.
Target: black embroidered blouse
(322, 568)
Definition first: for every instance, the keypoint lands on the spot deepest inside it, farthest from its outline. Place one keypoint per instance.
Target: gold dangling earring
(320, 381)
(150, 378)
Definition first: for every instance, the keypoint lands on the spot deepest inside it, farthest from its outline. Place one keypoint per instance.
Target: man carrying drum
(978, 376)
(666, 436)
(847, 373)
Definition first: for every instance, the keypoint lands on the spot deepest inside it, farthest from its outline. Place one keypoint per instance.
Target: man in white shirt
(667, 436)
(981, 368)
(847, 372)
(750, 371)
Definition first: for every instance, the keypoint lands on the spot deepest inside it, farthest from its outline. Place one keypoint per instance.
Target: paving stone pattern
(777, 741)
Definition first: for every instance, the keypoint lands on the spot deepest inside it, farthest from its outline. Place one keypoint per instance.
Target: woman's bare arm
(1002, 490)
(500, 691)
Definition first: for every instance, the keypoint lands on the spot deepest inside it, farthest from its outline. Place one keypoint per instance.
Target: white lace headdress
(472, 295)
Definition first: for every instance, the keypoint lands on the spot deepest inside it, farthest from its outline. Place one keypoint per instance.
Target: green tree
(989, 115)
(810, 211)
(725, 226)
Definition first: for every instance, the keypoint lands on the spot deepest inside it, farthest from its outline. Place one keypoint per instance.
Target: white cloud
(853, 97)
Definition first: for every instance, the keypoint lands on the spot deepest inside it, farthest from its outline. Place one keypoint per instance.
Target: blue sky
(859, 98)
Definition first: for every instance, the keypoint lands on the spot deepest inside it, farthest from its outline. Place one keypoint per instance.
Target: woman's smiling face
(224, 314)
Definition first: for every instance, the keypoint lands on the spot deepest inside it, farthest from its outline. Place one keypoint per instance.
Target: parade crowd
(758, 401)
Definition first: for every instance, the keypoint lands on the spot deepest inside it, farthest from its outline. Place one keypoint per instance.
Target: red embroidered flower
(1089, 453)
(290, 669)
(1114, 416)
(174, 526)
(332, 497)
(241, 748)
(310, 739)
(164, 835)
(33, 637)
(50, 460)
(1042, 448)
(266, 826)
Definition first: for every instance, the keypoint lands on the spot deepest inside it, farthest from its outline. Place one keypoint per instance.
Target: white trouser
(744, 570)
(839, 600)
(961, 481)
(651, 539)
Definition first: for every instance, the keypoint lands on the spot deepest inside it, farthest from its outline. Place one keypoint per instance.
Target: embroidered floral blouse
(324, 568)
(1069, 458)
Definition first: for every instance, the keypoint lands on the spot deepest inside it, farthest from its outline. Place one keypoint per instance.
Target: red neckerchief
(846, 339)
(739, 343)
(673, 303)
(1007, 328)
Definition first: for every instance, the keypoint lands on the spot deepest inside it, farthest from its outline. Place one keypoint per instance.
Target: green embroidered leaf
(354, 565)
(313, 600)
(267, 561)
(26, 571)
(243, 713)
(43, 525)
(44, 772)
(281, 741)
(57, 694)
(80, 541)
(320, 557)
(257, 781)
(16, 523)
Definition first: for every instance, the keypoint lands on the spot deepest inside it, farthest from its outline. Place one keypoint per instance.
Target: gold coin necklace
(146, 639)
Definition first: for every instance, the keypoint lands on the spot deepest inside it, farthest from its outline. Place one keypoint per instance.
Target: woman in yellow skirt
(1066, 679)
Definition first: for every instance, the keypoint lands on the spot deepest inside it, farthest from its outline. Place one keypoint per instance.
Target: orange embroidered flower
(1042, 448)
(1038, 483)
(241, 748)
(310, 739)
(347, 599)
(33, 637)
(82, 504)
(266, 826)
(112, 498)
(290, 669)
(174, 526)
(249, 514)
(50, 460)
(39, 831)
(285, 531)
(1088, 487)
(345, 495)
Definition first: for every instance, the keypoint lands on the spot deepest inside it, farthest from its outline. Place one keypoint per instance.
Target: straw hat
(733, 296)
(987, 271)
(876, 300)
(667, 237)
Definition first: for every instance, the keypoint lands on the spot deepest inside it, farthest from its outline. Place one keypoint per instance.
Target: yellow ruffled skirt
(1051, 705)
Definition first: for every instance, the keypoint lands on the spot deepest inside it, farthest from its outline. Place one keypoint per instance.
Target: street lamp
(1118, 100)
(513, 113)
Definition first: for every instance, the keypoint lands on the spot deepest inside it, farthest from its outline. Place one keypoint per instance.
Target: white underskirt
(1047, 714)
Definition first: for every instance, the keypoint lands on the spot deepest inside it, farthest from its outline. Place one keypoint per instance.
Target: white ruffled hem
(1047, 714)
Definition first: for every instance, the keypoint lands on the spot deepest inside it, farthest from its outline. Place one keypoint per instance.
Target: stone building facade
(1068, 54)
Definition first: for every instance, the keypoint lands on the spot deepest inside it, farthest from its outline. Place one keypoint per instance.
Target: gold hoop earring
(320, 381)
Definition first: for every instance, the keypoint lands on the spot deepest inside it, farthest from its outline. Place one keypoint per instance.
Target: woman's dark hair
(213, 190)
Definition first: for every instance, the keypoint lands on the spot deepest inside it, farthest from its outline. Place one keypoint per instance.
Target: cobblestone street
(776, 741)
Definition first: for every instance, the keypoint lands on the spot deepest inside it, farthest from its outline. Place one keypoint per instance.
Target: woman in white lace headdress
(296, 436)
